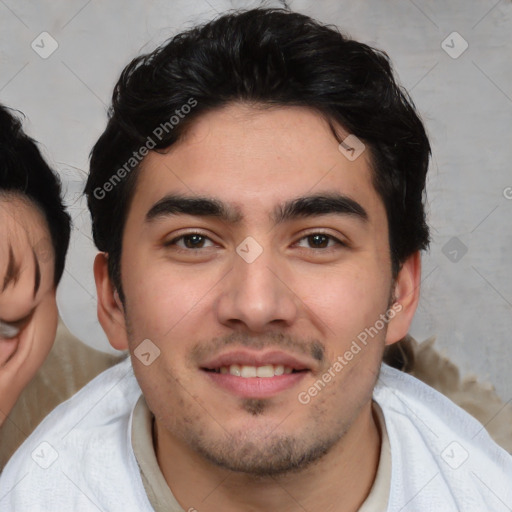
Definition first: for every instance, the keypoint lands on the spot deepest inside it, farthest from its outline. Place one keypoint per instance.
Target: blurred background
(59, 61)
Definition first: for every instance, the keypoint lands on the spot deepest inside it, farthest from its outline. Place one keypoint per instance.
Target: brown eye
(318, 241)
(191, 241)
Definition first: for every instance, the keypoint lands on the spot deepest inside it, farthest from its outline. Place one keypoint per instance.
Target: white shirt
(81, 458)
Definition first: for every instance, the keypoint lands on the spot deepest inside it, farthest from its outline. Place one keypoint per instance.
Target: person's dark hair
(271, 57)
(24, 172)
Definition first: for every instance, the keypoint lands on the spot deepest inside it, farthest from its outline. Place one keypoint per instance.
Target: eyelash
(337, 241)
(330, 237)
(183, 236)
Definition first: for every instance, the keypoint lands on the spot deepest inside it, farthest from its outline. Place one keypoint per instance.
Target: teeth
(247, 372)
(265, 371)
(234, 369)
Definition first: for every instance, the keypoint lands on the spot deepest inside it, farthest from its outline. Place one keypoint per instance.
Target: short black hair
(272, 57)
(23, 171)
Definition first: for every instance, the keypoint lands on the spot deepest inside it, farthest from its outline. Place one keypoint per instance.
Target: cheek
(346, 299)
(159, 296)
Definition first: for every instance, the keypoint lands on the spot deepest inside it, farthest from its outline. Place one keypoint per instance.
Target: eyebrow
(321, 204)
(196, 206)
(301, 207)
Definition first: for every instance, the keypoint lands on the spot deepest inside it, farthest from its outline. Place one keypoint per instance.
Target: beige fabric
(160, 495)
(68, 367)
(477, 398)
(378, 498)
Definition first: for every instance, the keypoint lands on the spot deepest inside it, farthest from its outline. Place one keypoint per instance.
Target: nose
(257, 296)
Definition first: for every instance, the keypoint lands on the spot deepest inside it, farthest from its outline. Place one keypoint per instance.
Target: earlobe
(110, 308)
(406, 297)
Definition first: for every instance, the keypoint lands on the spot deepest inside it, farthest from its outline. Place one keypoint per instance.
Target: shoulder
(440, 454)
(69, 460)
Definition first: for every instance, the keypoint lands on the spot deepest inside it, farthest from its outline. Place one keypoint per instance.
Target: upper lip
(252, 358)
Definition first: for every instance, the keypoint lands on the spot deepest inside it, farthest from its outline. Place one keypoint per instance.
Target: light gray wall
(466, 103)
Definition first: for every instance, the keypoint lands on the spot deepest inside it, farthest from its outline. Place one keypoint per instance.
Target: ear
(406, 295)
(110, 309)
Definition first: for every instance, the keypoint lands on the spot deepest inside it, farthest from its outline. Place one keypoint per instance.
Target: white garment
(80, 458)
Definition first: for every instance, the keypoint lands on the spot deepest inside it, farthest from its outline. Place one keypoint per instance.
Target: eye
(8, 331)
(319, 241)
(191, 241)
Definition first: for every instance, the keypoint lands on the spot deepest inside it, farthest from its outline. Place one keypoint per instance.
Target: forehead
(254, 157)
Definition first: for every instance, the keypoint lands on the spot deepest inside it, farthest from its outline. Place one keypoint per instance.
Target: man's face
(259, 279)
(28, 310)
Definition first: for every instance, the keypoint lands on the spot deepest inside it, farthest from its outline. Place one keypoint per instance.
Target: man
(257, 201)
(34, 237)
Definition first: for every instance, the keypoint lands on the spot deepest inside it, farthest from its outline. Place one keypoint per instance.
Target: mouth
(255, 375)
(247, 372)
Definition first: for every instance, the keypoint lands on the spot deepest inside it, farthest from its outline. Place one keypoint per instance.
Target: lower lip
(256, 387)
(7, 350)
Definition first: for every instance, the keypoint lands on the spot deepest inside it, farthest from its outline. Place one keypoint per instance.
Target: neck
(343, 476)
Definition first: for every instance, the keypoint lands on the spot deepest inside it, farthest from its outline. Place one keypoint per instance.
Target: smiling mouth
(256, 374)
(247, 372)
(259, 382)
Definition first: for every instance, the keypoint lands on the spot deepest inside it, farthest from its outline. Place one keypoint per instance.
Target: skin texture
(24, 233)
(308, 301)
